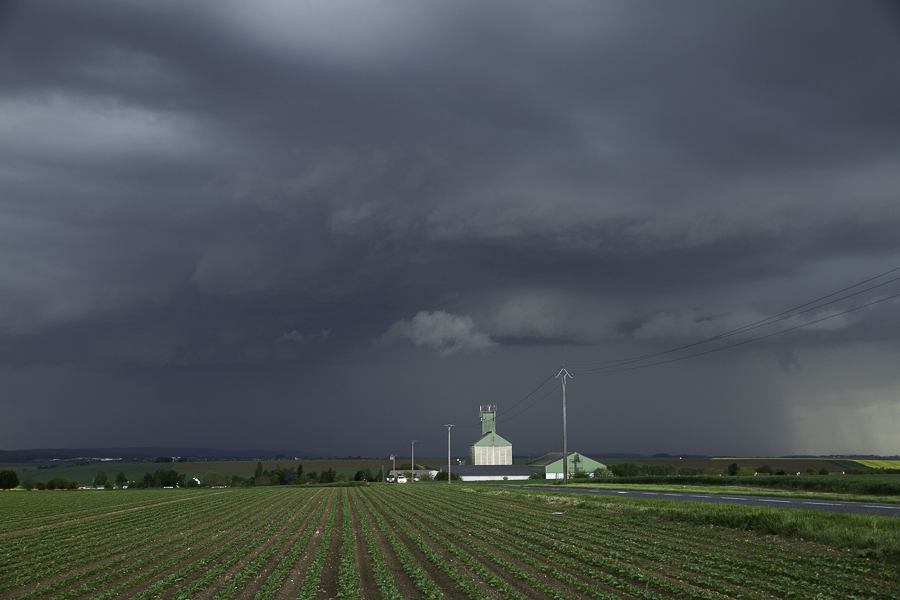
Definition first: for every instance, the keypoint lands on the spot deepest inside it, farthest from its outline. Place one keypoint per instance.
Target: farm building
(551, 465)
(490, 448)
(491, 472)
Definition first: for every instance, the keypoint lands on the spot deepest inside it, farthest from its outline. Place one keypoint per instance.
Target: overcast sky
(336, 226)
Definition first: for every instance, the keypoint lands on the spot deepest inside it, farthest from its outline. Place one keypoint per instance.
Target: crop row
(700, 557)
(430, 542)
(68, 545)
(39, 509)
(164, 540)
(94, 538)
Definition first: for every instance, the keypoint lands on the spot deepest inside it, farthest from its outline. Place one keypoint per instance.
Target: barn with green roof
(550, 465)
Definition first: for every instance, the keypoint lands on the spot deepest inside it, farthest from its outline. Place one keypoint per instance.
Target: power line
(614, 366)
(793, 312)
(620, 367)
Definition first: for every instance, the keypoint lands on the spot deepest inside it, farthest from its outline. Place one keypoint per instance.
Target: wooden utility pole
(563, 373)
(448, 426)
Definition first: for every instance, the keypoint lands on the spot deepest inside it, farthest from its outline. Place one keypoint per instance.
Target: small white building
(491, 472)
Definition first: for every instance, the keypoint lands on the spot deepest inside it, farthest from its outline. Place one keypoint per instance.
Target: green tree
(625, 469)
(29, 484)
(327, 476)
(259, 470)
(214, 479)
(100, 478)
(8, 479)
(732, 469)
(765, 469)
(442, 476)
(340, 477)
(121, 479)
(160, 478)
(238, 481)
(823, 471)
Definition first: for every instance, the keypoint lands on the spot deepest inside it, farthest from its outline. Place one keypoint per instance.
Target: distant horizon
(262, 454)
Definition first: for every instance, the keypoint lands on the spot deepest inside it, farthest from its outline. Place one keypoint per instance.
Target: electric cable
(618, 368)
(757, 324)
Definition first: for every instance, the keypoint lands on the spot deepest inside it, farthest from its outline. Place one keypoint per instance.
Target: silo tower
(490, 448)
(488, 418)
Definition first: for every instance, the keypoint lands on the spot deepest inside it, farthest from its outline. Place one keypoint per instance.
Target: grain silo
(490, 448)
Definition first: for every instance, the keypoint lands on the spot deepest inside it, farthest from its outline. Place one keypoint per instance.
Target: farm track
(395, 542)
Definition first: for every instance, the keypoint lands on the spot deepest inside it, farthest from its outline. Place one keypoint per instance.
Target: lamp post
(394, 467)
(412, 473)
(448, 426)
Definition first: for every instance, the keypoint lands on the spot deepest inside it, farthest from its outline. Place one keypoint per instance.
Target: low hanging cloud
(291, 336)
(445, 332)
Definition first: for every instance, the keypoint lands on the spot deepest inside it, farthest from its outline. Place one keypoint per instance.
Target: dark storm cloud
(294, 190)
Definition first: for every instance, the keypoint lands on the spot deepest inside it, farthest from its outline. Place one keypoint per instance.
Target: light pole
(394, 468)
(412, 473)
(564, 374)
(448, 426)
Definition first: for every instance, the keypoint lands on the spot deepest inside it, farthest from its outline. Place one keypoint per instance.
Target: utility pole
(394, 468)
(563, 373)
(448, 426)
(413, 472)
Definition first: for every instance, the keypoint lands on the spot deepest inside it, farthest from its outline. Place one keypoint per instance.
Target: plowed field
(397, 541)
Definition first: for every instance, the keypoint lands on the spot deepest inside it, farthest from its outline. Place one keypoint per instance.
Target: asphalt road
(833, 506)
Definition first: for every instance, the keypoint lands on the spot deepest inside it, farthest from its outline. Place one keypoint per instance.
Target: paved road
(855, 508)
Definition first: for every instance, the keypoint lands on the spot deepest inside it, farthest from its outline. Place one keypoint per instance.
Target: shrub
(8, 479)
(61, 483)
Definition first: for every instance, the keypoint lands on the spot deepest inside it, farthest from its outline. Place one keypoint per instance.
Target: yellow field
(880, 464)
(767, 459)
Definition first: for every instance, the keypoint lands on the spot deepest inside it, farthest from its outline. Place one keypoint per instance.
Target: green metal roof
(552, 463)
(490, 439)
